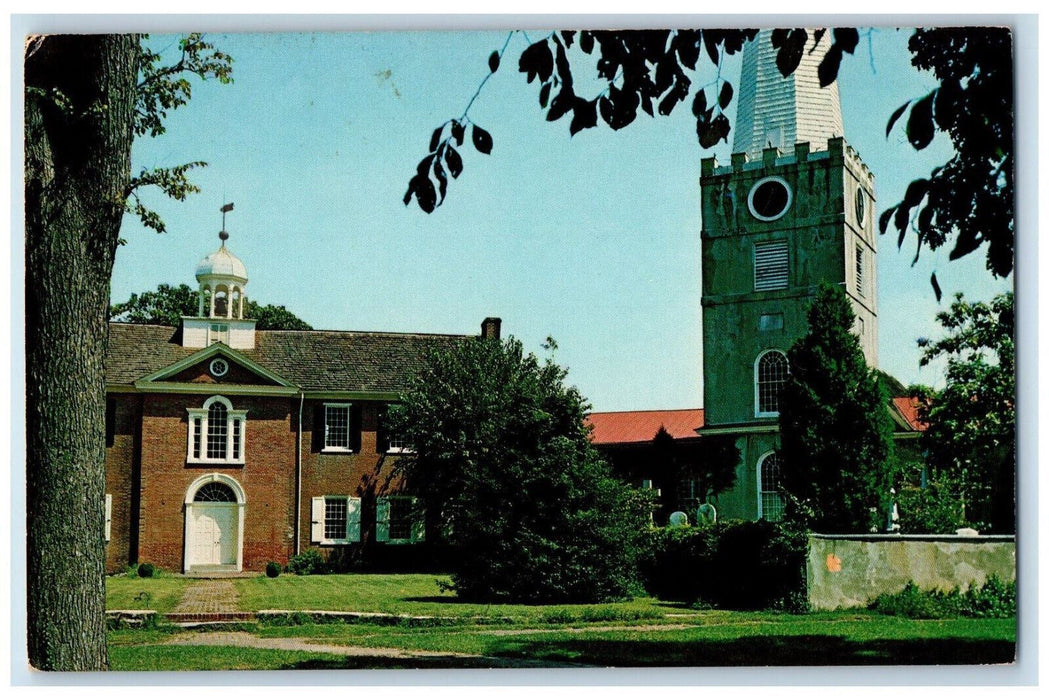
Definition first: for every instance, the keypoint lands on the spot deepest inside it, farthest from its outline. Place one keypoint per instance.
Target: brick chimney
(490, 328)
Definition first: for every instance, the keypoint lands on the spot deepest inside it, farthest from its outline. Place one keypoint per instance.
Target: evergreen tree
(835, 429)
(511, 482)
(167, 305)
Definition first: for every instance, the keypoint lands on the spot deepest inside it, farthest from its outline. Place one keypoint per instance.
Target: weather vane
(222, 234)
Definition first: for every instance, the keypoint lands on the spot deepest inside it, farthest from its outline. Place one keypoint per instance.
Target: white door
(214, 534)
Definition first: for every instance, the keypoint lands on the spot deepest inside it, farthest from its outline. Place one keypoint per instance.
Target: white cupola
(221, 278)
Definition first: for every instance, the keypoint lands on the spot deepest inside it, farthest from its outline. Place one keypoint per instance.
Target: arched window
(770, 374)
(770, 497)
(214, 492)
(216, 432)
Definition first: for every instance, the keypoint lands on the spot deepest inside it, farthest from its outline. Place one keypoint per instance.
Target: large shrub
(738, 565)
(511, 483)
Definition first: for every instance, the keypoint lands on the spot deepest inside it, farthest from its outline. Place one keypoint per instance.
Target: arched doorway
(214, 525)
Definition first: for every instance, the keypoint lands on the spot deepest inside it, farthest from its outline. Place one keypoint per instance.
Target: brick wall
(365, 474)
(267, 477)
(123, 411)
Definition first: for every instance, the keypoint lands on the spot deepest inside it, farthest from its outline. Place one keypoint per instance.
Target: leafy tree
(835, 428)
(167, 305)
(971, 434)
(709, 464)
(969, 198)
(511, 482)
(86, 98)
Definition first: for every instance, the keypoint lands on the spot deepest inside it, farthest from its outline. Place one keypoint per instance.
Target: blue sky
(592, 239)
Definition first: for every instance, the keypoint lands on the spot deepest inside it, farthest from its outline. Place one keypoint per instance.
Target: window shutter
(382, 520)
(317, 521)
(770, 265)
(318, 427)
(355, 427)
(109, 515)
(353, 519)
(418, 521)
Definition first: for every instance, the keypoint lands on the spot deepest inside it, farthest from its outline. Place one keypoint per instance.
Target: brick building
(229, 447)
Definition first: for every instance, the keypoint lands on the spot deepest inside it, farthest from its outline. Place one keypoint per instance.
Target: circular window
(769, 198)
(219, 367)
(861, 206)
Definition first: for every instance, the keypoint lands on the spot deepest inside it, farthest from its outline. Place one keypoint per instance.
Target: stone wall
(851, 570)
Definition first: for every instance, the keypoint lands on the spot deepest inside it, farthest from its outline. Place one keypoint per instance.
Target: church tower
(221, 278)
(793, 209)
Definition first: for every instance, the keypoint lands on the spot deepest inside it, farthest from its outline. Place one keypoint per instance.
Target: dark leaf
(604, 106)
(624, 107)
(436, 138)
(423, 169)
(687, 45)
(945, 104)
(561, 104)
(895, 115)
(967, 241)
(493, 61)
(713, 131)
(564, 70)
(442, 180)
(920, 129)
(584, 116)
(568, 38)
(791, 46)
(458, 132)
(883, 220)
(711, 45)
(936, 287)
(586, 41)
(817, 37)
(424, 192)
(544, 95)
(646, 103)
(828, 68)
(699, 104)
(725, 98)
(454, 161)
(847, 38)
(482, 139)
(537, 60)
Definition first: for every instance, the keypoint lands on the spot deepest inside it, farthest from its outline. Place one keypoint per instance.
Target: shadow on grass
(787, 650)
(387, 662)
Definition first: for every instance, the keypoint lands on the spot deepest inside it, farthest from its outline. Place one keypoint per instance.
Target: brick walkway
(208, 600)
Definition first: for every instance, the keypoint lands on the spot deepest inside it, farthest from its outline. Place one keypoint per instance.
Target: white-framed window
(109, 515)
(335, 520)
(770, 374)
(398, 445)
(216, 432)
(770, 495)
(337, 437)
(399, 520)
(861, 289)
(770, 322)
(771, 266)
(218, 333)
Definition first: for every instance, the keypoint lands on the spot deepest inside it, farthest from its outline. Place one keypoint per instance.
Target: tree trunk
(79, 116)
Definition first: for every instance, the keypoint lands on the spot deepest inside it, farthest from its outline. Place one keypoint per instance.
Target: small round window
(219, 367)
(861, 206)
(769, 198)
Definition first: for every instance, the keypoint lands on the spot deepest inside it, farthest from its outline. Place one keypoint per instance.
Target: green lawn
(161, 593)
(711, 639)
(410, 594)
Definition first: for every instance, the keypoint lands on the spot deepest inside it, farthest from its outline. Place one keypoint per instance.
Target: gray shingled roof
(313, 360)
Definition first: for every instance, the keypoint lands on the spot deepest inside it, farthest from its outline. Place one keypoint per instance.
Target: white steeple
(221, 278)
(778, 111)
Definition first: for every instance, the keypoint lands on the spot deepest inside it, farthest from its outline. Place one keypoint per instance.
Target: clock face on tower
(861, 206)
(769, 198)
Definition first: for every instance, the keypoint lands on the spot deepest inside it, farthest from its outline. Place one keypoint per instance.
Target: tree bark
(79, 116)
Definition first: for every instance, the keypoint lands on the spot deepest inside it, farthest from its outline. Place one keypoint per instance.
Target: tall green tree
(86, 98)
(835, 428)
(970, 441)
(710, 467)
(167, 305)
(968, 199)
(511, 482)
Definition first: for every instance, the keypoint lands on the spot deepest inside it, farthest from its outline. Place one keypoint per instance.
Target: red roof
(908, 408)
(641, 426)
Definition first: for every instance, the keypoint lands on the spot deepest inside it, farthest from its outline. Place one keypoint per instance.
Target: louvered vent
(770, 266)
(860, 287)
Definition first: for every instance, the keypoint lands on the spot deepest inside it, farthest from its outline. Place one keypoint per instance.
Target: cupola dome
(222, 263)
